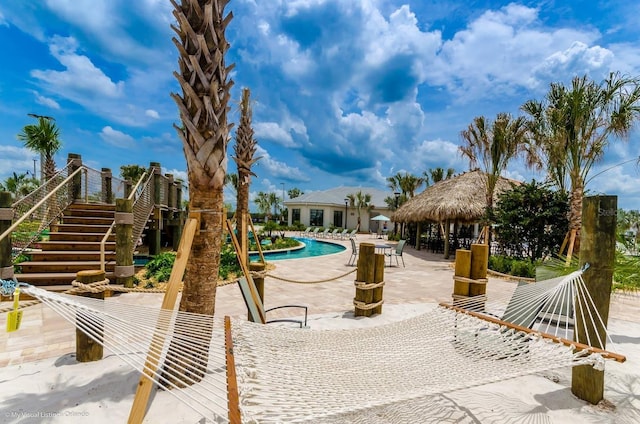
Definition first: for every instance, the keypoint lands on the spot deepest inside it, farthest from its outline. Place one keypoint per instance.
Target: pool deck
(427, 278)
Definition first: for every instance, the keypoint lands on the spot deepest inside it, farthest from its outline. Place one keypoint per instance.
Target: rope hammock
(397, 370)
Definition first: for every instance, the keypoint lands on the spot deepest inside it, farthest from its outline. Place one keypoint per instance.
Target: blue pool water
(312, 247)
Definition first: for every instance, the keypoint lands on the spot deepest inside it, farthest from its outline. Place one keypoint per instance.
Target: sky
(344, 92)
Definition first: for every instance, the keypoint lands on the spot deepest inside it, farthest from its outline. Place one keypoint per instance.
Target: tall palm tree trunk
(203, 107)
(575, 212)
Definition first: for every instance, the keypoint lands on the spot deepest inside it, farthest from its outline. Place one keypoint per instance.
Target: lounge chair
(397, 252)
(324, 234)
(344, 234)
(256, 308)
(305, 232)
(354, 252)
(353, 234)
(334, 233)
(314, 233)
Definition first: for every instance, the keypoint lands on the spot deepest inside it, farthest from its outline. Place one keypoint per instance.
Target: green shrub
(523, 268)
(16, 262)
(160, 266)
(512, 266)
(228, 262)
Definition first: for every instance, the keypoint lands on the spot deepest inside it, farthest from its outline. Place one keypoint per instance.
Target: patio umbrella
(380, 218)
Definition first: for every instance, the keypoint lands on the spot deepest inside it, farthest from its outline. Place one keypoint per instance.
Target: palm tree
(570, 130)
(492, 145)
(263, 203)
(203, 108)
(438, 174)
(132, 172)
(43, 138)
(360, 201)
(231, 180)
(245, 150)
(294, 192)
(19, 185)
(405, 183)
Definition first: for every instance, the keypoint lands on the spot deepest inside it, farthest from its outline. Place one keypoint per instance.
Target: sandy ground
(41, 382)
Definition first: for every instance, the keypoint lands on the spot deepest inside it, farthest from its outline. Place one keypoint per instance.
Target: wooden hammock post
(87, 349)
(479, 266)
(370, 271)
(597, 248)
(258, 280)
(447, 230)
(155, 224)
(141, 399)
(463, 270)
(124, 270)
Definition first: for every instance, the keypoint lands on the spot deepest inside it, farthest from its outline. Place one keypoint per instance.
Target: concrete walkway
(426, 278)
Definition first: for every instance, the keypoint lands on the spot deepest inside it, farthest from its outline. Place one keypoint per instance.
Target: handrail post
(124, 269)
(171, 194)
(6, 219)
(76, 187)
(155, 228)
(107, 189)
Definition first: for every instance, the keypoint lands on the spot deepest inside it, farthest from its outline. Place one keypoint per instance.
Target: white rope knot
(363, 285)
(96, 287)
(366, 306)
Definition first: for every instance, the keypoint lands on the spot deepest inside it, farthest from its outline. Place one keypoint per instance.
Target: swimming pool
(312, 247)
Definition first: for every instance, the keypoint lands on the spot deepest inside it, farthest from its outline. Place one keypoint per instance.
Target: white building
(329, 208)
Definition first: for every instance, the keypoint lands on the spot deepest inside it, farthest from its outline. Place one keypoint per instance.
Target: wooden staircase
(74, 245)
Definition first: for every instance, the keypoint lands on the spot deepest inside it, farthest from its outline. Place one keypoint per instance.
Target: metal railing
(47, 204)
(143, 204)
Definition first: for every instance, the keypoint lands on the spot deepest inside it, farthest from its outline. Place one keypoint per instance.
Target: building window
(316, 217)
(337, 218)
(295, 216)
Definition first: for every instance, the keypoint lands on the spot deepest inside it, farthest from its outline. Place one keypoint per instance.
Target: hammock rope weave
(292, 375)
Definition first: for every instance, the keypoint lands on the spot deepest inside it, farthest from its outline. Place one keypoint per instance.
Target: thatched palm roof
(461, 197)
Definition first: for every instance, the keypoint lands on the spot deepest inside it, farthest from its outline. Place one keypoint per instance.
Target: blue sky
(346, 92)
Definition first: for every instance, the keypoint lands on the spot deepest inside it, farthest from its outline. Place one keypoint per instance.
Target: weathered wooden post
(257, 271)
(124, 269)
(479, 267)
(6, 219)
(369, 277)
(461, 277)
(87, 349)
(76, 183)
(155, 227)
(447, 231)
(107, 189)
(597, 248)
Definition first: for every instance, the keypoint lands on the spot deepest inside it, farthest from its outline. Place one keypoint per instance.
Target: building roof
(336, 196)
(459, 198)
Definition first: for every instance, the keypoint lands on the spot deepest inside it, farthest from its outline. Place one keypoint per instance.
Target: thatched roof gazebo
(461, 198)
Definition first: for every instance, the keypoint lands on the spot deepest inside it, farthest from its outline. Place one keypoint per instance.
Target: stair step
(53, 278)
(87, 220)
(92, 206)
(33, 267)
(71, 255)
(81, 228)
(94, 213)
(76, 245)
(57, 236)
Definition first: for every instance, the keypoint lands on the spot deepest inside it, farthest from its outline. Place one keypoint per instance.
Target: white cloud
(15, 159)
(276, 168)
(46, 101)
(80, 77)
(505, 49)
(116, 138)
(152, 114)
(273, 132)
